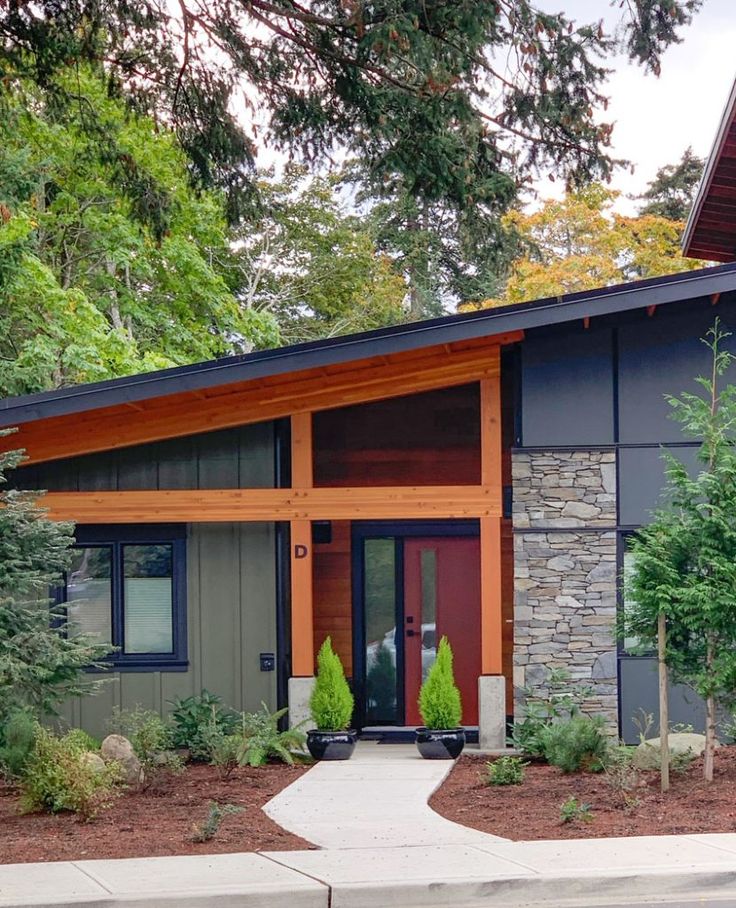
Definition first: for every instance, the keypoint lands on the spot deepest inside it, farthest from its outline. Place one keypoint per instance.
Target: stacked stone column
(565, 574)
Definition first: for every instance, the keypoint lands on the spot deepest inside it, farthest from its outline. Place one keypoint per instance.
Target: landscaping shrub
(152, 740)
(84, 740)
(563, 702)
(209, 827)
(622, 775)
(439, 698)
(58, 775)
(194, 719)
(574, 811)
(224, 750)
(575, 744)
(505, 771)
(17, 738)
(331, 703)
(261, 740)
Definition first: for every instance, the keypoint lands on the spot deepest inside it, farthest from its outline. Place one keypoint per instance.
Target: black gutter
(384, 341)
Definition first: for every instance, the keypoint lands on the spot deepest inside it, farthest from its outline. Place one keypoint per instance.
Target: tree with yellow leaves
(580, 243)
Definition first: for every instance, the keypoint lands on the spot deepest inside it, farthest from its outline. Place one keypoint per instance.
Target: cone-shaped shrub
(439, 698)
(331, 703)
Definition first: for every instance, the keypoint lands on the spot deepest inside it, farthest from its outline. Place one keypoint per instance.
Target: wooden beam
(226, 505)
(491, 614)
(490, 431)
(491, 449)
(302, 608)
(239, 404)
(302, 475)
(302, 573)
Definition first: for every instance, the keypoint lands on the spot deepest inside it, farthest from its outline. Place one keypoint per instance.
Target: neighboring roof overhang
(284, 362)
(710, 232)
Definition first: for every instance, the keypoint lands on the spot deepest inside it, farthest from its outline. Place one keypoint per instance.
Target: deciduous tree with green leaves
(40, 666)
(309, 262)
(685, 559)
(110, 263)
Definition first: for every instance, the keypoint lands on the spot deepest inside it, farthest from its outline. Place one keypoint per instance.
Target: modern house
(474, 475)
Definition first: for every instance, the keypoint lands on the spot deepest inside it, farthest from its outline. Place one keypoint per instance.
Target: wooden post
(302, 614)
(664, 713)
(491, 628)
(491, 621)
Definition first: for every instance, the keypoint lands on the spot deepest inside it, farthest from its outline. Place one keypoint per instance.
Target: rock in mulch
(119, 749)
(94, 761)
(647, 754)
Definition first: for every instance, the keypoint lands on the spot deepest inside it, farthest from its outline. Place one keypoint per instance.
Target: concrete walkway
(376, 799)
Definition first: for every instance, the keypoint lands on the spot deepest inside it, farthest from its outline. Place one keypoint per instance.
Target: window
(126, 587)
(631, 645)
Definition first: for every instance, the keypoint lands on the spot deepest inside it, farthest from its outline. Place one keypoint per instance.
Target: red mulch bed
(532, 810)
(155, 822)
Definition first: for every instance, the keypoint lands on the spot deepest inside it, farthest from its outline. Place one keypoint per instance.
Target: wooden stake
(664, 717)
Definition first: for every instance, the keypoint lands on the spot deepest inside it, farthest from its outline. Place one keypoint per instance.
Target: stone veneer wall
(565, 576)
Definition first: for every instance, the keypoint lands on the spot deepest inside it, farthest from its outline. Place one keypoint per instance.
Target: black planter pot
(440, 744)
(331, 745)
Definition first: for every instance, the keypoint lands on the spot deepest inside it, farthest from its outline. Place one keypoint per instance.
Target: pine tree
(40, 666)
(685, 559)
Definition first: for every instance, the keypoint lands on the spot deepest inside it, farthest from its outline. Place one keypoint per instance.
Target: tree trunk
(710, 722)
(664, 712)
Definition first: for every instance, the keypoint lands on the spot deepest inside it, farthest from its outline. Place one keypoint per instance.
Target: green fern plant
(439, 698)
(261, 740)
(331, 703)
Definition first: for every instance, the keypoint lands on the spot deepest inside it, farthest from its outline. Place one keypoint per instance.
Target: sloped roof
(413, 336)
(710, 232)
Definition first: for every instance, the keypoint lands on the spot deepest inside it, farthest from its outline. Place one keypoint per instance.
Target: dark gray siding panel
(658, 356)
(227, 459)
(641, 479)
(639, 691)
(567, 388)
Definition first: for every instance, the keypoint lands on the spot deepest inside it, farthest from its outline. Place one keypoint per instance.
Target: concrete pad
(724, 840)
(379, 798)
(47, 884)
(245, 880)
(596, 856)
(464, 876)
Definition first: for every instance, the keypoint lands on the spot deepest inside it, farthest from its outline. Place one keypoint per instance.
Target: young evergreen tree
(685, 559)
(40, 666)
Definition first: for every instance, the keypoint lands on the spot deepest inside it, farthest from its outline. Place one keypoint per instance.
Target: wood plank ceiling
(713, 234)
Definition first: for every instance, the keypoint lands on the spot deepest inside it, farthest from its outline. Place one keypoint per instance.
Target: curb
(296, 880)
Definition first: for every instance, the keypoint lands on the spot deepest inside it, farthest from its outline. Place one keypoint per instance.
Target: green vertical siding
(227, 459)
(231, 619)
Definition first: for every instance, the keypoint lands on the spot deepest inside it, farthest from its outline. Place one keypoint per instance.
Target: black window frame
(116, 537)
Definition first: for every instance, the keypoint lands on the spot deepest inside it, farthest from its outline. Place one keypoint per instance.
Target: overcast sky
(657, 118)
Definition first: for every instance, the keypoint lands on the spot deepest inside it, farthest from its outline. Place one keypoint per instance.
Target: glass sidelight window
(131, 594)
(383, 640)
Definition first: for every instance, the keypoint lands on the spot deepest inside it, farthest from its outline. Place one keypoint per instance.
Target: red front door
(442, 598)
